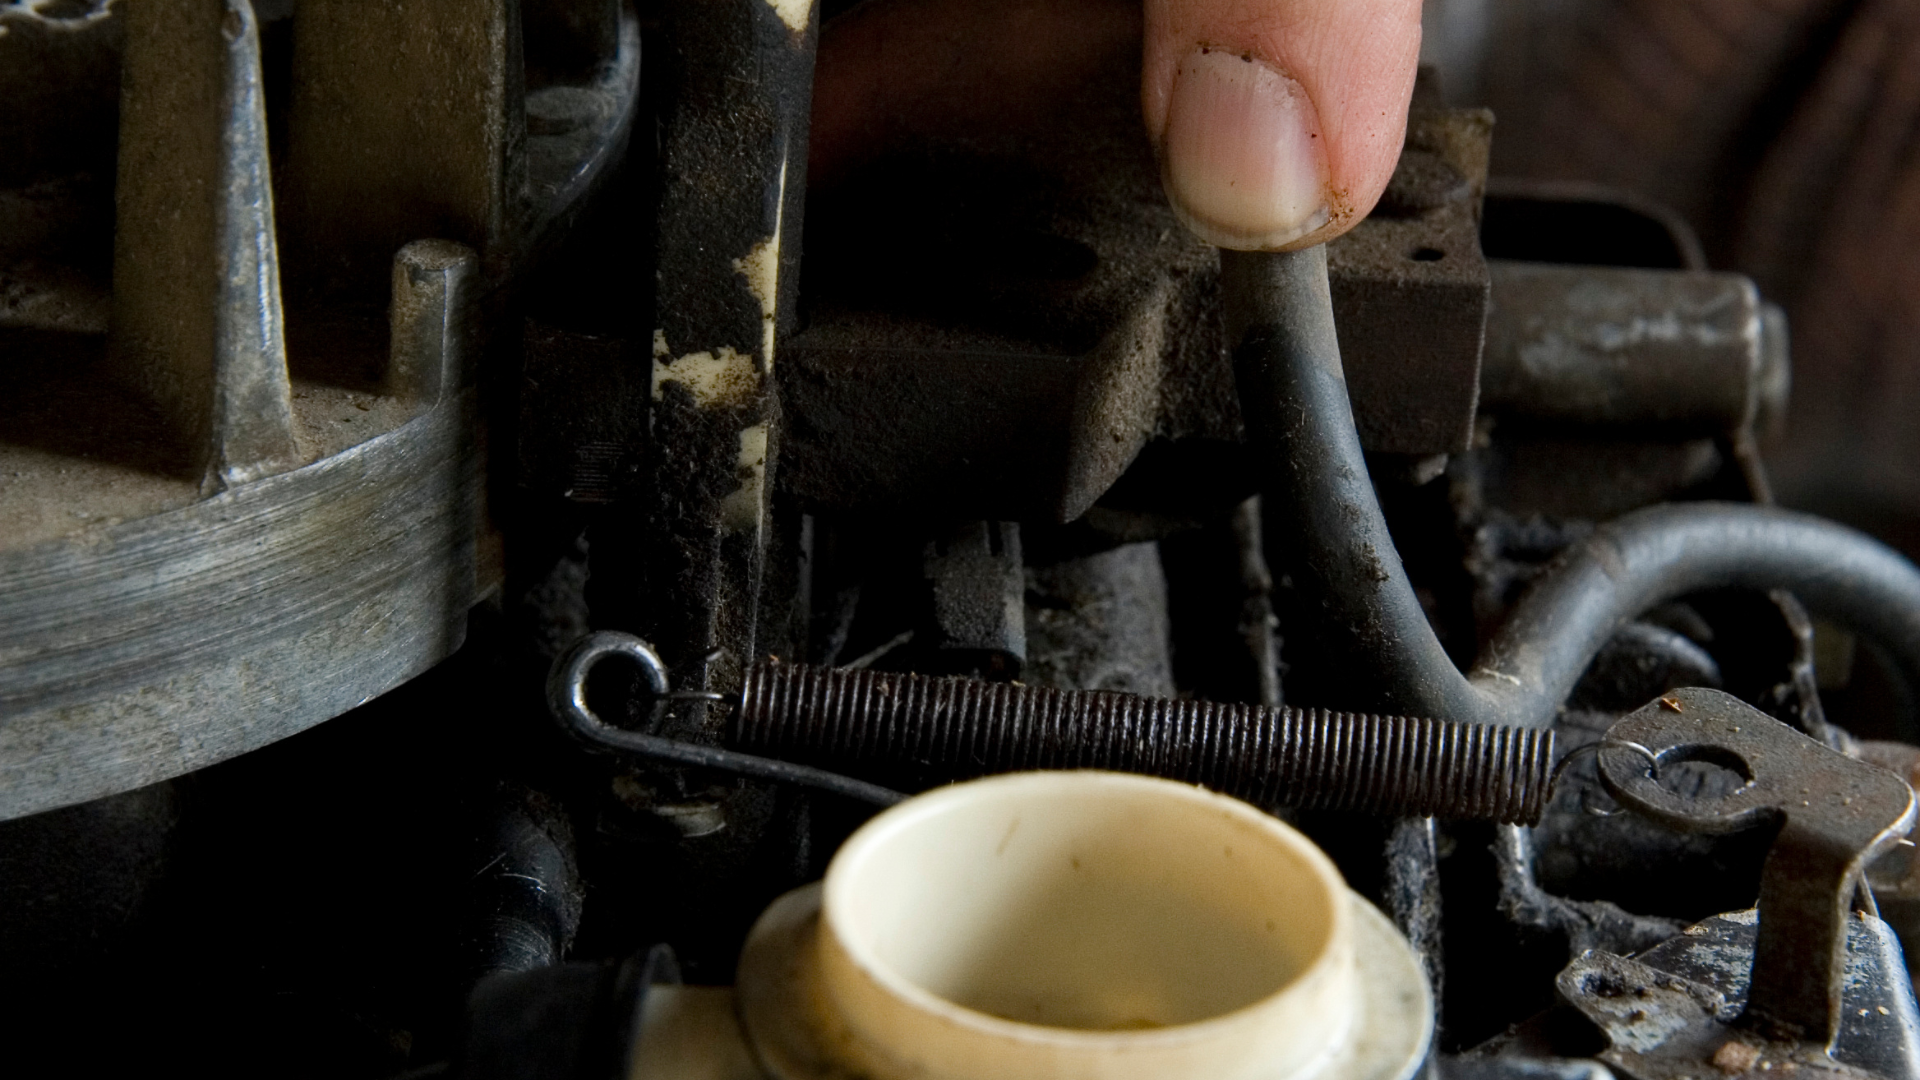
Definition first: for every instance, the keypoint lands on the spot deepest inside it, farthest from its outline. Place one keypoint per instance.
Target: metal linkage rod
(567, 700)
(1294, 398)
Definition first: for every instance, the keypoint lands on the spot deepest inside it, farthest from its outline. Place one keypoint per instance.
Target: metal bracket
(1834, 814)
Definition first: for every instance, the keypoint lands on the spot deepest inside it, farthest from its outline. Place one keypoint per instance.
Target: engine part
(1041, 344)
(244, 490)
(1100, 622)
(573, 414)
(567, 701)
(914, 731)
(310, 591)
(978, 582)
(1590, 345)
(1835, 815)
(527, 896)
(566, 1020)
(1671, 1011)
(1295, 401)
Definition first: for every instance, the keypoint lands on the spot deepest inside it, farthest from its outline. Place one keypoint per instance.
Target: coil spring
(914, 730)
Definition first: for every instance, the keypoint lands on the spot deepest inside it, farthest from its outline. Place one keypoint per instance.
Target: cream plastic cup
(1084, 925)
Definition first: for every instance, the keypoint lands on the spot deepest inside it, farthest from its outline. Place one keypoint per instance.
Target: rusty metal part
(1834, 815)
(141, 650)
(912, 730)
(1684, 350)
(1673, 1009)
(197, 323)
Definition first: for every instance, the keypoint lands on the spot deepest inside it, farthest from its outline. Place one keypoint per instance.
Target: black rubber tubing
(1293, 396)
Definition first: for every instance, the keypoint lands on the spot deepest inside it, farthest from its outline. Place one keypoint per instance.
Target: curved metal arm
(567, 700)
(1650, 556)
(1294, 399)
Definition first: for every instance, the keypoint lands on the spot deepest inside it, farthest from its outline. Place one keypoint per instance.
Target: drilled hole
(1703, 772)
(1427, 254)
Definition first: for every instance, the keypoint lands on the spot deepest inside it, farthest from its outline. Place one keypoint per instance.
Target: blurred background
(1784, 132)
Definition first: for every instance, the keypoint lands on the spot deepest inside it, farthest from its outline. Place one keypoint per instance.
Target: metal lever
(1835, 814)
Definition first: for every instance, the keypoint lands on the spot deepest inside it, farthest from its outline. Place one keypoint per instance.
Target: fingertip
(1291, 157)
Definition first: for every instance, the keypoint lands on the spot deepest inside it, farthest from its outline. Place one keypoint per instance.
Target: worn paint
(761, 268)
(723, 376)
(740, 510)
(795, 13)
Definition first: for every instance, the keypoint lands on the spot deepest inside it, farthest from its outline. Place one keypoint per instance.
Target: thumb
(1278, 122)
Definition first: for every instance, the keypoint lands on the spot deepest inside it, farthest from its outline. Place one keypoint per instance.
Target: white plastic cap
(1083, 925)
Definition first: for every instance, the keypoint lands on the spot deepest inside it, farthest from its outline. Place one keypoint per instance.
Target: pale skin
(1341, 72)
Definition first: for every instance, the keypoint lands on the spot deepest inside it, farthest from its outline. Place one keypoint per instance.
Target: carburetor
(480, 534)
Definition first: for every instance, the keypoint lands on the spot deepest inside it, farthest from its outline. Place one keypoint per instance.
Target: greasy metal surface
(136, 651)
(1673, 1011)
(1661, 1026)
(913, 731)
(197, 324)
(1686, 350)
(524, 904)
(1834, 815)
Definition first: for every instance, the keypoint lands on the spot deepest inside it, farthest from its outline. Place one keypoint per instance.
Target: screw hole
(1703, 772)
(1427, 254)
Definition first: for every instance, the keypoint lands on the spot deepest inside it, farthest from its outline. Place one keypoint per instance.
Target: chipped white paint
(793, 12)
(720, 377)
(740, 510)
(761, 268)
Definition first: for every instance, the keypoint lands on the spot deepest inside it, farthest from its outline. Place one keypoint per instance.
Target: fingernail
(1241, 157)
